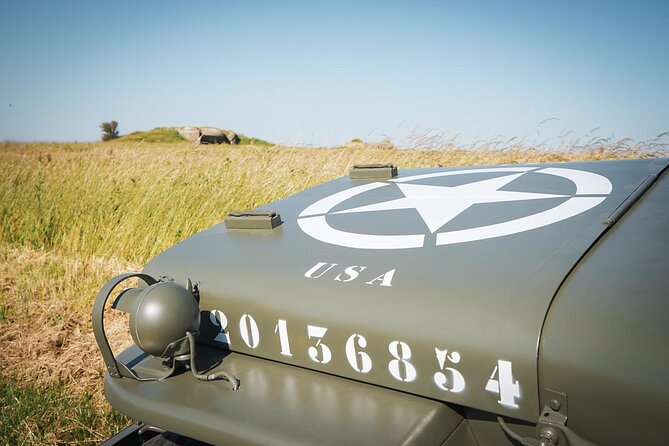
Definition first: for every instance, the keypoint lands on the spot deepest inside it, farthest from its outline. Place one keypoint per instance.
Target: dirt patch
(45, 332)
(44, 353)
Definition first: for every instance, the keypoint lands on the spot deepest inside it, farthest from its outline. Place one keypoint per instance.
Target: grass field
(73, 215)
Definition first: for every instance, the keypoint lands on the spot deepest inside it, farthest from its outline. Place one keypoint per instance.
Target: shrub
(109, 130)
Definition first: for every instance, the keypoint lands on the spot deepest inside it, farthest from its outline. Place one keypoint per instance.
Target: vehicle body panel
(452, 314)
(606, 339)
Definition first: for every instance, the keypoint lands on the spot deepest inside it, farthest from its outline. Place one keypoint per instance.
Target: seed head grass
(132, 200)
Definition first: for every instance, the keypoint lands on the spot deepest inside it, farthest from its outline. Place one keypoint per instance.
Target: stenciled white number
(504, 385)
(319, 353)
(359, 360)
(218, 318)
(249, 330)
(282, 329)
(402, 353)
(457, 381)
(447, 378)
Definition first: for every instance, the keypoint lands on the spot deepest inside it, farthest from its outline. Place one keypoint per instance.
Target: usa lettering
(337, 273)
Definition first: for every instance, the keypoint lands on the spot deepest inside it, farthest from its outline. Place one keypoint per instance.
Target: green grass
(249, 141)
(159, 134)
(52, 416)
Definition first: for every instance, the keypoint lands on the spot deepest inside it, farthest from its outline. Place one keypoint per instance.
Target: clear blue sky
(326, 72)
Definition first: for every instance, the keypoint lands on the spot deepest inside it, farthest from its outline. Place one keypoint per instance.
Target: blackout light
(164, 323)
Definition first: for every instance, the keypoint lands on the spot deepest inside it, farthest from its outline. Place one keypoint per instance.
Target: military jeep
(497, 305)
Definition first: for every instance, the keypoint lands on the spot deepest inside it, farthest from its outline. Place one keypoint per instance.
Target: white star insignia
(437, 205)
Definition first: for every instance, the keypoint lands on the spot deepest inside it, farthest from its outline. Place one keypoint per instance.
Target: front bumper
(283, 405)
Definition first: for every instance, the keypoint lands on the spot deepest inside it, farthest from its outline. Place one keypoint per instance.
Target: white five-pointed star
(437, 205)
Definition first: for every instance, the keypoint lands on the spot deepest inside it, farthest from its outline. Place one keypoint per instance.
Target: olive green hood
(434, 282)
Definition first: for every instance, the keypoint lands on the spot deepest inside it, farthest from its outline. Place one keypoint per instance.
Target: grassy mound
(171, 135)
(159, 134)
(249, 141)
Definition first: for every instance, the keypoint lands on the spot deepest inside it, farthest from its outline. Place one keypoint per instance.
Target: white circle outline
(312, 220)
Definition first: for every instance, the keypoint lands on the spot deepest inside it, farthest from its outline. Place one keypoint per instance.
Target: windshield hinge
(373, 172)
(252, 220)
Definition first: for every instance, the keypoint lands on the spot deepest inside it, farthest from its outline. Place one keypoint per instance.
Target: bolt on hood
(435, 282)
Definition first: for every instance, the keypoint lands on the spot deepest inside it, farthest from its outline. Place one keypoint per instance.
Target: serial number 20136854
(445, 376)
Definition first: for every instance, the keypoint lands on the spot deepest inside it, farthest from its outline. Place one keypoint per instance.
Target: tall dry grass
(132, 200)
(73, 215)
